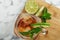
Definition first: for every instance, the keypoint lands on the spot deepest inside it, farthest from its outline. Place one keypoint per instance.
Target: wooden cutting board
(54, 30)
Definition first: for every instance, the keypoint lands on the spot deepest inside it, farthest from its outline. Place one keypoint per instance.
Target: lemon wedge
(39, 13)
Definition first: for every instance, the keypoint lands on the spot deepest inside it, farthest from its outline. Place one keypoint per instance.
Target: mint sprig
(45, 15)
(40, 25)
(31, 32)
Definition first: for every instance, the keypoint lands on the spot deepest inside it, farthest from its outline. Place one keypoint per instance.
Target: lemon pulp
(31, 7)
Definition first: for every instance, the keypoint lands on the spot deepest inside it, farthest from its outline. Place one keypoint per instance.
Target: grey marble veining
(9, 10)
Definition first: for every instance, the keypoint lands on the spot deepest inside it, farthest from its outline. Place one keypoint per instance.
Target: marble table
(9, 10)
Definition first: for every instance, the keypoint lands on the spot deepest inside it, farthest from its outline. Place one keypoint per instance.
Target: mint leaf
(31, 35)
(45, 15)
(40, 24)
(31, 32)
(45, 10)
(24, 33)
(47, 24)
(35, 30)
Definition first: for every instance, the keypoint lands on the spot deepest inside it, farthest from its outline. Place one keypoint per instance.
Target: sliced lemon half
(31, 7)
(39, 13)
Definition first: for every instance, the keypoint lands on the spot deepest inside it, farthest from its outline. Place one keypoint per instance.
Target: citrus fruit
(39, 13)
(31, 7)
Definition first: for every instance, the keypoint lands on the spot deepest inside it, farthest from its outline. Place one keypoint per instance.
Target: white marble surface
(54, 2)
(9, 10)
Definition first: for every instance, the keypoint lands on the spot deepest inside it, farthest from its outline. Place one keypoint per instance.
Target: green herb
(37, 27)
(24, 33)
(31, 35)
(31, 32)
(35, 31)
(45, 15)
(40, 25)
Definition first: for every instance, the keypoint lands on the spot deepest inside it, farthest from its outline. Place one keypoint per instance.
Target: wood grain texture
(54, 30)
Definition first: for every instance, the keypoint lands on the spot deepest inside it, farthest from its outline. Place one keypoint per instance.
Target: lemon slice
(31, 7)
(40, 11)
